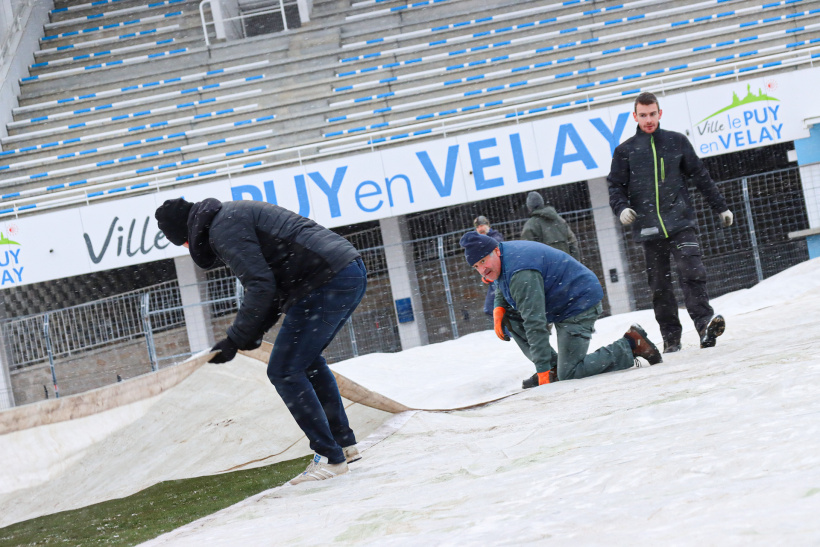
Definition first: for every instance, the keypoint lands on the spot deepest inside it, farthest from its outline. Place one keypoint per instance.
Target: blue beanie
(477, 246)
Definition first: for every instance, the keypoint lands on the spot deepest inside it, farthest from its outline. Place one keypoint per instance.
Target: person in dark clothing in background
(538, 285)
(482, 226)
(288, 265)
(648, 190)
(546, 226)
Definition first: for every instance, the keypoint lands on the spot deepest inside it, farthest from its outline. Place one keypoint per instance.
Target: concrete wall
(94, 369)
(21, 26)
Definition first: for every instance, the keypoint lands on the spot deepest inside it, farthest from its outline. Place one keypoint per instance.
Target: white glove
(727, 218)
(628, 216)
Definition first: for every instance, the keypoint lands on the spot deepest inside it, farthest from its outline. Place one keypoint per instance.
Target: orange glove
(498, 323)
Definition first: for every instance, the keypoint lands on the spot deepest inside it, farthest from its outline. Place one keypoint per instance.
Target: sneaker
(642, 346)
(351, 453)
(320, 469)
(716, 326)
(671, 346)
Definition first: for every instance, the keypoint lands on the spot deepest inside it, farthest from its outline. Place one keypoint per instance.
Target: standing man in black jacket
(288, 265)
(648, 189)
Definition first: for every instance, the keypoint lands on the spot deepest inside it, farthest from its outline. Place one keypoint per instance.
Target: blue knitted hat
(477, 246)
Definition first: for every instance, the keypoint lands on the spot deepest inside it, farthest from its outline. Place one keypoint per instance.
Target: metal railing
(242, 18)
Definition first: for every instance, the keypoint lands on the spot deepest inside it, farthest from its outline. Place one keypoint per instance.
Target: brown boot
(642, 346)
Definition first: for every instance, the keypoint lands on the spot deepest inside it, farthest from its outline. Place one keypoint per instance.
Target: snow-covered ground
(716, 446)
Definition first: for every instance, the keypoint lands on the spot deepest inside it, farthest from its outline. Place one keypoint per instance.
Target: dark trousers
(685, 248)
(300, 373)
(489, 300)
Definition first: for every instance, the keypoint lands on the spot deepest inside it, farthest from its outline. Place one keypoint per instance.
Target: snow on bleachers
(421, 89)
(110, 14)
(110, 64)
(134, 102)
(154, 84)
(393, 9)
(91, 30)
(412, 76)
(171, 122)
(90, 167)
(70, 48)
(228, 99)
(94, 55)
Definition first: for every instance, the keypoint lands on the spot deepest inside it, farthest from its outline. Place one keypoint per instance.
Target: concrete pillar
(6, 392)
(6, 19)
(305, 7)
(808, 158)
(225, 15)
(197, 318)
(611, 246)
(21, 27)
(403, 282)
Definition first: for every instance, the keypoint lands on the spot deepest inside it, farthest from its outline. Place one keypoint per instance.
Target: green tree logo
(6, 241)
(736, 101)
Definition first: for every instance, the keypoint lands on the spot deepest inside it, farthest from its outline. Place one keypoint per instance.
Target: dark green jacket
(546, 226)
(650, 174)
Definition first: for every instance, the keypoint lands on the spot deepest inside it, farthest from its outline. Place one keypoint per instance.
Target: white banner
(416, 177)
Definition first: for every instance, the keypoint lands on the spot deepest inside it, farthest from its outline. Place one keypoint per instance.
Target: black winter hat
(477, 246)
(534, 201)
(172, 219)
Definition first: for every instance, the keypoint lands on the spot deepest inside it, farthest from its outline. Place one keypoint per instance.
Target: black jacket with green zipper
(650, 174)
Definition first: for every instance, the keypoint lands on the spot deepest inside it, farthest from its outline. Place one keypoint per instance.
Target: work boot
(320, 469)
(716, 326)
(540, 379)
(351, 453)
(642, 346)
(671, 346)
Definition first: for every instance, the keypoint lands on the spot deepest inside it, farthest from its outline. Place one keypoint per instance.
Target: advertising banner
(418, 176)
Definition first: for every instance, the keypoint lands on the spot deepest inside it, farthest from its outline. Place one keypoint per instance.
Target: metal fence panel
(777, 207)
(104, 341)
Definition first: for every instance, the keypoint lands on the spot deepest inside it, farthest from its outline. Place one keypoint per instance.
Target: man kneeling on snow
(537, 285)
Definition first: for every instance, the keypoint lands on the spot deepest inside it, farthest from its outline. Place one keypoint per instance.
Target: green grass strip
(151, 512)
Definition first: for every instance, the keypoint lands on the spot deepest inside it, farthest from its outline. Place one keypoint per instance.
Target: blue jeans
(299, 372)
(489, 300)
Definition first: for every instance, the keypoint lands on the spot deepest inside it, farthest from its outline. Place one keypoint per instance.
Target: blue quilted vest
(569, 286)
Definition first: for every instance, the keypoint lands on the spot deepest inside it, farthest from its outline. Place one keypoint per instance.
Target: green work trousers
(574, 335)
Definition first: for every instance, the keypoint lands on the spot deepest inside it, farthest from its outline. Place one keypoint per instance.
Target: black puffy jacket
(278, 256)
(650, 174)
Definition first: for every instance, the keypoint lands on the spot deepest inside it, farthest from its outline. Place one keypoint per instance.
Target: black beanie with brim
(172, 219)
